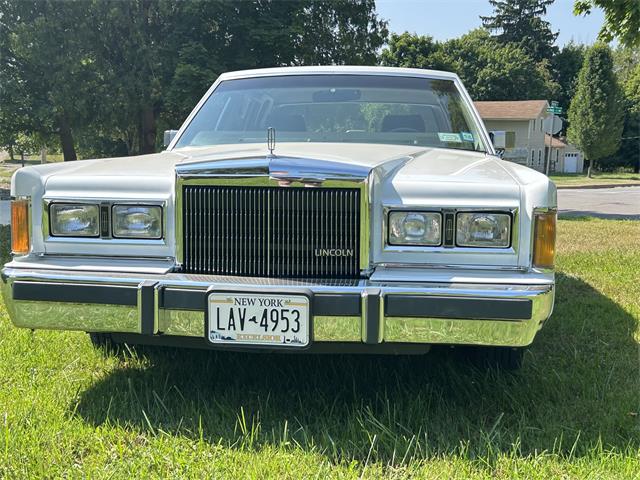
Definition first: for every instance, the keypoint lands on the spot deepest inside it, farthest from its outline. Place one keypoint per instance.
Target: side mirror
(498, 138)
(168, 137)
(499, 141)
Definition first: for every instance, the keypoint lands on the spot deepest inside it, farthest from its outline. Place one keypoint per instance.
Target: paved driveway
(619, 202)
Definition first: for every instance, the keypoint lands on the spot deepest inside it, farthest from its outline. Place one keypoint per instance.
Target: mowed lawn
(573, 411)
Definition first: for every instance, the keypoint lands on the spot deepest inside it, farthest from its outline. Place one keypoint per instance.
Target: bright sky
(445, 19)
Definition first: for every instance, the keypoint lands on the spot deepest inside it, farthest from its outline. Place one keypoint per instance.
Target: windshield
(336, 108)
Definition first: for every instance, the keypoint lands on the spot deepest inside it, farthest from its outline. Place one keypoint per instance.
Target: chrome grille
(271, 231)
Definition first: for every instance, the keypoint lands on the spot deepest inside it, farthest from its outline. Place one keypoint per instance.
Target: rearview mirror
(168, 137)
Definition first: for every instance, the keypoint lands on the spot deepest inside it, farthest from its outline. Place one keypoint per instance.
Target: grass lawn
(597, 178)
(572, 412)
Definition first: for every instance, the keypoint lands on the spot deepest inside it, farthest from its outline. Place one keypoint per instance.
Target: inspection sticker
(449, 137)
(467, 136)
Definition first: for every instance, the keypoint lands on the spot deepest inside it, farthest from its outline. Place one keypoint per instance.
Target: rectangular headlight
(137, 221)
(415, 228)
(73, 220)
(483, 229)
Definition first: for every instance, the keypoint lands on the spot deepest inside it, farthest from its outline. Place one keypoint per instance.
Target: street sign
(554, 103)
(554, 110)
(553, 124)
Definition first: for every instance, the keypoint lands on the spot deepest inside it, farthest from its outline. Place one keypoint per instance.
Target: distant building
(525, 139)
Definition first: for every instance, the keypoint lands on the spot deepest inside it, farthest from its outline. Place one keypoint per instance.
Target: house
(525, 139)
(565, 157)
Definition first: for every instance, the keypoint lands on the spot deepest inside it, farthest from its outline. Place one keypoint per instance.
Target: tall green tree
(47, 74)
(596, 113)
(113, 73)
(621, 19)
(521, 22)
(566, 65)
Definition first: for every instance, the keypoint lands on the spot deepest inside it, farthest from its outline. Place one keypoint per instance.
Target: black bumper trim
(70, 293)
(459, 308)
(329, 305)
(147, 307)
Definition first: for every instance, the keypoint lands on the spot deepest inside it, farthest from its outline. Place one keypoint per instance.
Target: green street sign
(554, 110)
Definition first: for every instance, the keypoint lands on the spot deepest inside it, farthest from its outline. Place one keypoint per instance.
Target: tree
(520, 22)
(112, 73)
(621, 19)
(596, 114)
(47, 75)
(566, 65)
(489, 69)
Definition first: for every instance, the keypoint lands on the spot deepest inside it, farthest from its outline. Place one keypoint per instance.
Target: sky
(445, 19)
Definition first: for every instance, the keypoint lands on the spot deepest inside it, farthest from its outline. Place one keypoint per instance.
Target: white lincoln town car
(306, 209)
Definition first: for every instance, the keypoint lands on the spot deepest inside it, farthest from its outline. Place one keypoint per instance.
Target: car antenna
(271, 140)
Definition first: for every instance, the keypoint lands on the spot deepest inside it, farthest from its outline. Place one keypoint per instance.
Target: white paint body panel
(401, 176)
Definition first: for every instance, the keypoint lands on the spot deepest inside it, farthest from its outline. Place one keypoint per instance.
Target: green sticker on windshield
(467, 136)
(449, 137)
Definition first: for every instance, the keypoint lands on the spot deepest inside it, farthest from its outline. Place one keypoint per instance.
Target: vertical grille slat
(271, 231)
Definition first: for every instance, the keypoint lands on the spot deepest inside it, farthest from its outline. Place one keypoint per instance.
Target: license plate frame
(257, 292)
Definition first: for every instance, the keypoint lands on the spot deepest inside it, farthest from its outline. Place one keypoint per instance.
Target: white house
(525, 139)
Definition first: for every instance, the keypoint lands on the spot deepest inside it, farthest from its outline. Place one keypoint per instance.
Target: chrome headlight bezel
(506, 218)
(118, 232)
(93, 231)
(429, 215)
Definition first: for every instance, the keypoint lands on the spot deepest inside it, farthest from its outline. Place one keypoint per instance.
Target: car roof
(340, 70)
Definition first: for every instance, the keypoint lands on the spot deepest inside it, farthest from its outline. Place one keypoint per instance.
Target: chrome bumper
(357, 312)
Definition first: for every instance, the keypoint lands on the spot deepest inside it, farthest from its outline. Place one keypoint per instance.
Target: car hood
(396, 165)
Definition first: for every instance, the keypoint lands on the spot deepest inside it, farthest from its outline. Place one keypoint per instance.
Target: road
(619, 202)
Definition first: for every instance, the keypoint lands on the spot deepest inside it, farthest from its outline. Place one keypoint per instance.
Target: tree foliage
(106, 76)
(489, 69)
(596, 113)
(521, 22)
(621, 19)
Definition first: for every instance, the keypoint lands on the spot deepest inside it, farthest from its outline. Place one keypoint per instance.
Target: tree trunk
(66, 141)
(11, 154)
(148, 130)
(589, 168)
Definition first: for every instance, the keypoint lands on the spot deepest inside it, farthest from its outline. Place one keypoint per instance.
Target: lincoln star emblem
(333, 252)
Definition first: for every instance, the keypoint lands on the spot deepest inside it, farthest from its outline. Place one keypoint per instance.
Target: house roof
(512, 110)
(555, 142)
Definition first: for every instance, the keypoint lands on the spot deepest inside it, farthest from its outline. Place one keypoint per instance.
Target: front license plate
(258, 319)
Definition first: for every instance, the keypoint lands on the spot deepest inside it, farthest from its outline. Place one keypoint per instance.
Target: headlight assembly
(415, 228)
(73, 220)
(137, 221)
(483, 229)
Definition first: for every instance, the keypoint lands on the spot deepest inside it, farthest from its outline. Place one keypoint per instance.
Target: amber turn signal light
(544, 244)
(20, 227)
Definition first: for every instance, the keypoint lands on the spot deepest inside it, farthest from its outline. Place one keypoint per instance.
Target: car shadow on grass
(578, 390)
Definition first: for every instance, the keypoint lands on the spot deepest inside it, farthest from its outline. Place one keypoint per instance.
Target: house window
(539, 158)
(533, 154)
(541, 122)
(510, 139)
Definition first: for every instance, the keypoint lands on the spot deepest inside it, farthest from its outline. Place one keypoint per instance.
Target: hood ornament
(271, 140)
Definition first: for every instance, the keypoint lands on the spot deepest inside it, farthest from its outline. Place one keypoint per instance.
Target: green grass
(574, 179)
(572, 412)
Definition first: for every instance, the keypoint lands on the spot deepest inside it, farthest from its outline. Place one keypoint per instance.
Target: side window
(510, 139)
